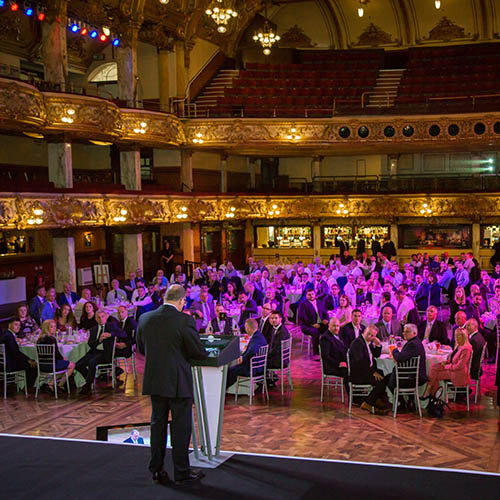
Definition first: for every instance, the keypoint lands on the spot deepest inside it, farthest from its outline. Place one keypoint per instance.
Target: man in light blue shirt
(446, 276)
(461, 275)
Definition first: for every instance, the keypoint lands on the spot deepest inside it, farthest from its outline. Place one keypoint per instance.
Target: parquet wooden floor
(296, 424)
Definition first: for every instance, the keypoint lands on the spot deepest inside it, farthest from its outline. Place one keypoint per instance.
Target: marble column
(223, 174)
(476, 240)
(187, 241)
(60, 164)
(54, 47)
(181, 70)
(317, 240)
(316, 172)
(63, 254)
(130, 169)
(252, 167)
(128, 79)
(132, 252)
(187, 171)
(164, 79)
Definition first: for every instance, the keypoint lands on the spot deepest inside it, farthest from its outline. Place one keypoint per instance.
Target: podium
(209, 380)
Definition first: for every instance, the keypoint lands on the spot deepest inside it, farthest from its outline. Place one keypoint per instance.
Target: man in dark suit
(67, 296)
(264, 323)
(460, 320)
(333, 351)
(248, 308)
(388, 325)
(221, 324)
(376, 248)
(134, 438)
(100, 342)
(256, 295)
(475, 308)
(257, 340)
(477, 342)
(203, 311)
(273, 295)
(431, 329)
(332, 301)
(363, 364)
(129, 326)
(352, 330)
(36, 304)
(15, 359)
(388, 249)
(278, 333)
(320, 287)
(413, 348)
(168, 338)
(130, 284)
(312, 319)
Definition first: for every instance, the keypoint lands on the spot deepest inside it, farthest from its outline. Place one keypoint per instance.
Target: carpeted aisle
(37, 468)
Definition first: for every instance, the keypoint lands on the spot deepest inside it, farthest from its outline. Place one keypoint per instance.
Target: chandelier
(220, 14)
(362, 4)
(266, 37)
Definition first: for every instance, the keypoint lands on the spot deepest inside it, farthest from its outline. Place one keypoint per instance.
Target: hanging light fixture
(220, 14)
(266, 36)
(361, 8)
(437, 4)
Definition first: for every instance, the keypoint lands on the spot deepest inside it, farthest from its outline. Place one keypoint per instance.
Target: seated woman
(28, 325)
(65, 318)
(231, 295)
(459, 301)
(456, 368)
(88, 320)
(47, 337)
(344, 311)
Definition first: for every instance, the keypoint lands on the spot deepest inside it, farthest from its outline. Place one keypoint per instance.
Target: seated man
(403, 305)
(412, 349)
(221, 324)
(272, 295)
(332, 301)
(477, 342)
(431, 329)
(248, 308)
(203, 311)
(388, 326)
(15, 359)
(352, 330)
(264, 323)
(278, 333)
(116, 294)
(312, 319)
(255, 294)
(101, 347)
(385, 301)
(362, 354)
(333, 351)
(67, 296)
(460, 320)
(242, 368)
(142, 301)
(130, 284)
(129, 326)
(475, 308)
(36, 304)
(86, 297)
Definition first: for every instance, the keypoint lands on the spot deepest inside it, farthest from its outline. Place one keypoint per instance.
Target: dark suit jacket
(168, 338)
(383, 334)
(35, 309)
(130, 327)
(15, 359)
(412, 349)
(139, 440)
(274, 353)
(347, 334)
(308, 317)
(376, 248)
(250, 310)
(61, 298)
(438, 332)
(257, 297)
(477, 342)
(107, 344)
(320, 288)
(333, 352)
(471, 311)
(361, 369)
(227, 330)
(256, 342)
(330, 303)
(266, 329)
(215, 290)
(197, 307)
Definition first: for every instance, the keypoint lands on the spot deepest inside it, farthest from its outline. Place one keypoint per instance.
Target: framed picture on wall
(459, 236)
(88, 239)
(101, 273)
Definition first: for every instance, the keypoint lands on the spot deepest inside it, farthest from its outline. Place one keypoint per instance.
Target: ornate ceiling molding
(77, 210)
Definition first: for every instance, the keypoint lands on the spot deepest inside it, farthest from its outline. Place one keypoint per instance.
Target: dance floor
(297, 424)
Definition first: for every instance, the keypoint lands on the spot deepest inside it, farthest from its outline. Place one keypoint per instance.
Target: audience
(221, 324)
(65, 318)
(333, 351)
(278, 333)
(28, 326)
(50, 305)
(431, 329)
(67, 296)
(116, 294)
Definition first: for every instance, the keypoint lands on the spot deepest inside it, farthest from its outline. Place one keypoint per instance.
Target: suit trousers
(180, 429)
(315, 334)
(378, 390)
(88, 364)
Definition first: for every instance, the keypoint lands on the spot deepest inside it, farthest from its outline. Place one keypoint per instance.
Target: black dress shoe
(194, 475)
(86, 389)
(161, 478)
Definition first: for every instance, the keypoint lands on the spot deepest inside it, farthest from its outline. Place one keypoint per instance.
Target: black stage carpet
(38, 468)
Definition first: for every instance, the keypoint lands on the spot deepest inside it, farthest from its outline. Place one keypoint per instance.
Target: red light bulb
(14, 7)
(103, 38)
(84, 31)
(41, 16)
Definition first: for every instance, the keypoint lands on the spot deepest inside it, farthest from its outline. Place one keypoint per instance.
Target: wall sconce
(293, 135)
(342, 209)
(36, 216)
(141, 128)
(122, 215)
(183, 214)
(198, 138)
(274, 210)
(68, 116)
(230, 214)
(426, 210)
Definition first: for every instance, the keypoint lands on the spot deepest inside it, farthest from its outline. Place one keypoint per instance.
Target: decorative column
(252, 167)
(60, 164)
(130, 169)
(181, 70)
(132, 252)
(187, 171)
(54, 48)
(164, 79)
(223, 173)
(126, 61)
(63, 254)
(476, 240)
(316, 172)
(187, 241)
(317, 240)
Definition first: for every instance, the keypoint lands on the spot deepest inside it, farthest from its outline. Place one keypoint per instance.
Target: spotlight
(491, 161)
(106, 31)
(93, 34)
(29, 11)
(84, 31)
(2, 3)
(116, 42)
(14, 7)
(74, 28)
(103, 38)
(41, 16)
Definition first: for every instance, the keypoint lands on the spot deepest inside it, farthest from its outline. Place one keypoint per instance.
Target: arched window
(107, 72)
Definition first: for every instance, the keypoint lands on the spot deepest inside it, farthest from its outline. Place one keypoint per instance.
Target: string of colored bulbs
(73, 25)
